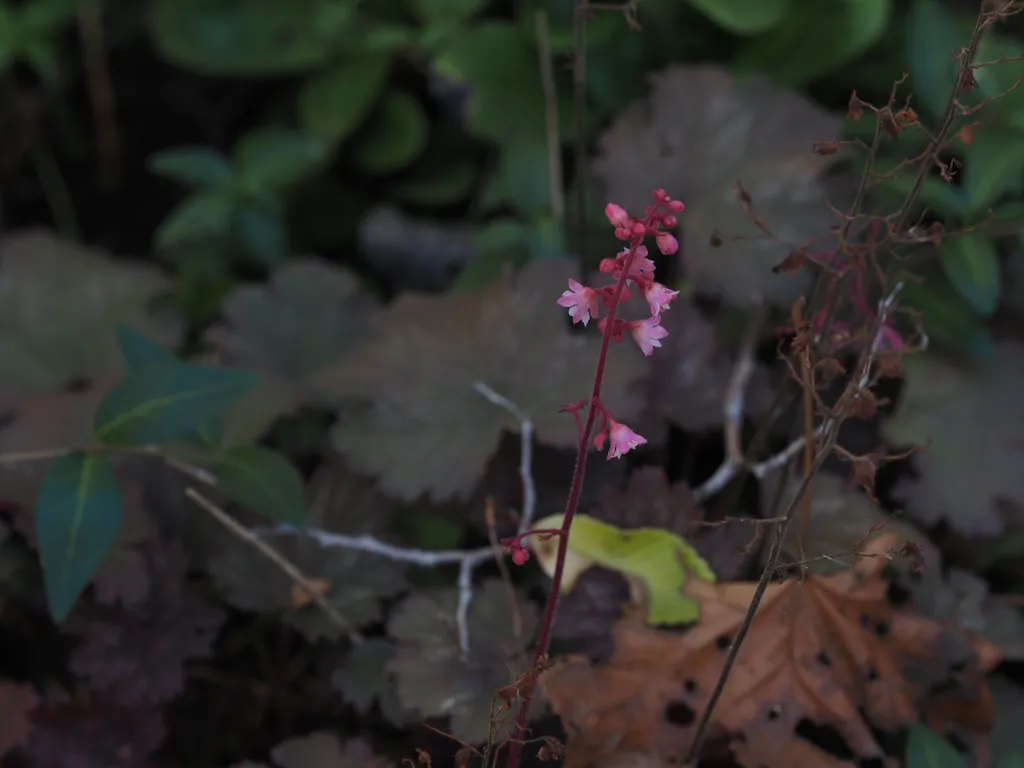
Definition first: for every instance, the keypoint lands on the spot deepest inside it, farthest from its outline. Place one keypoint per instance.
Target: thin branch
(468, 560)
(829, 432)
(286, 566)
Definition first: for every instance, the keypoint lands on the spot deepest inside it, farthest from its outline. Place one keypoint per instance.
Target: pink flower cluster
(631, 269)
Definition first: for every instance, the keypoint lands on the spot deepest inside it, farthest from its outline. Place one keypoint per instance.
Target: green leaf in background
(496, 61)
(521, 180)
(1013, 760)
(138, 350)
(926, 749)
(264, 481)
(48, 15)
(395, 136)
(436, 181)
(1001, 82)
(261, 232)
(602, 28)
(166, 400)
(271, 158)
(660, 560)
(192, 166)
(446, 12)
(78, 517)
(745, 17)
(547, 239)
(201, 215)
(947, 318)
(993, 167)
(972, 266)
(815, 39)
(334, 102)
(935, 36)
(501, 243)
(248, 38)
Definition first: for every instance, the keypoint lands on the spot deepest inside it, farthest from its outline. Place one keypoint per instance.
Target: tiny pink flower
(622, 439)
(667, 244)
(520, 555)
(658, 297)
(616, 215)
(647, 333)
(581, 300)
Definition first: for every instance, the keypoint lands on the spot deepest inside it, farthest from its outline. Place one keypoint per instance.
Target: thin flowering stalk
(621, 438)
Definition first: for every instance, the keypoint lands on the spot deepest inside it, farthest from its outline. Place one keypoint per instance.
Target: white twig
(732, 409)
(468, 560)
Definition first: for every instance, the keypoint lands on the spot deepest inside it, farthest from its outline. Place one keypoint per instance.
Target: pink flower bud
(520, 556)
(676, 205)
(667, 244)
(616, 215)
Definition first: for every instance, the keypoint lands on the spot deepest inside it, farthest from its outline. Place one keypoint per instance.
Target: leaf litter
(17, 702)
(136, 655)
(968, 422)
(415, 420)
(700, 132)
(310, 316)
(829, 652)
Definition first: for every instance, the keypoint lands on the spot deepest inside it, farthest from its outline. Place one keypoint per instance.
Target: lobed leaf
(700, 132)
(414, 418)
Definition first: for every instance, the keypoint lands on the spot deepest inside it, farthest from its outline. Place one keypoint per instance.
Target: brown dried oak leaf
(419, 424)
(829, 652)
(701, 131)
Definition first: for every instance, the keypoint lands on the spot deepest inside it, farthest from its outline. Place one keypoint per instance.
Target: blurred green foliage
(447, 108)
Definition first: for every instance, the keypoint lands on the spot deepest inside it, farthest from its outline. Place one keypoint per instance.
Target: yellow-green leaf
(658, 561)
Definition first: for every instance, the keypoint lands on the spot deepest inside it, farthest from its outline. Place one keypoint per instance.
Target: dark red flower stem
(515, 744)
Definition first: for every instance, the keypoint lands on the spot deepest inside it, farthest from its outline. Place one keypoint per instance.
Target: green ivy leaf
(935, 36)
(333, 103)
(201, 215)
(816, 40)
(264, 481)
(993, 167)
(1001, 82)
(167, 400)
(744, 17)
(396, 136)
(192, 166)
(77, 521)
(947, 317)
(248, 38)
(972, 266)
(926, 749)
(273, 158)
(138, 350)
(261, 232)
